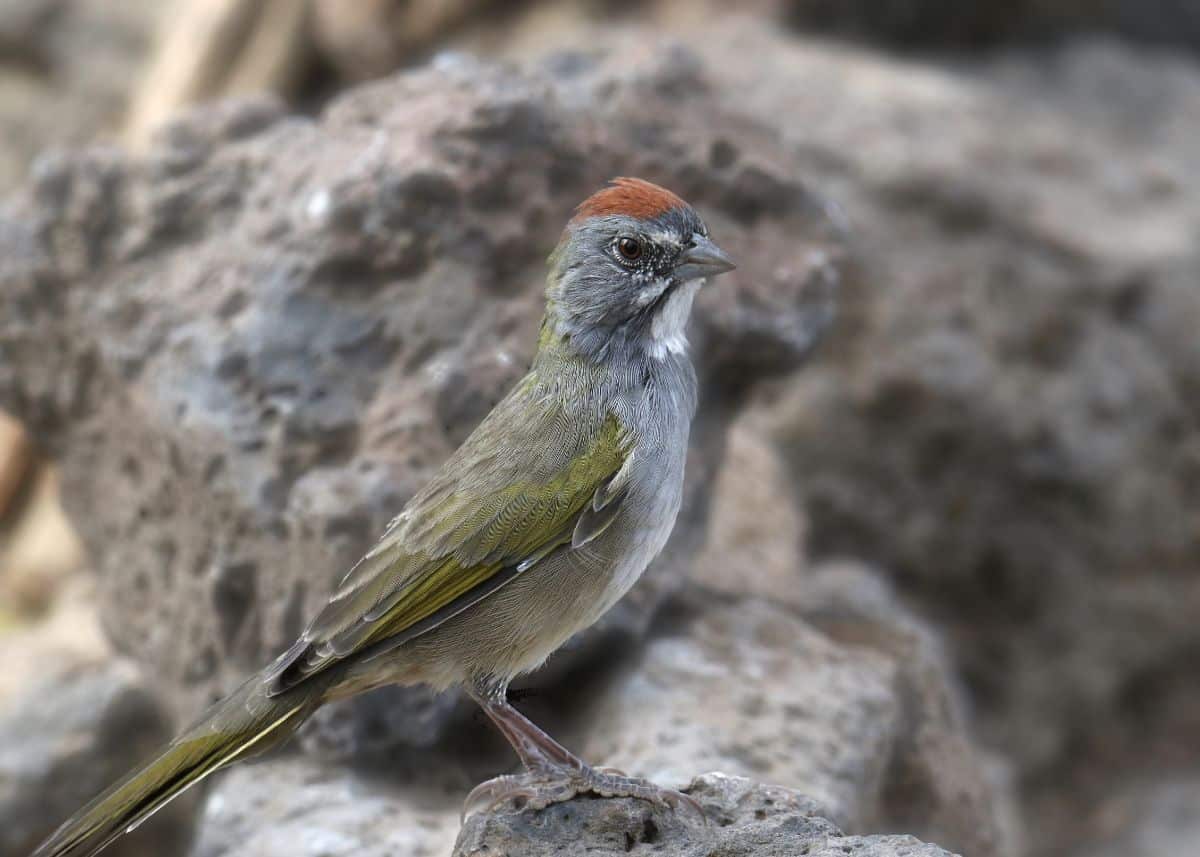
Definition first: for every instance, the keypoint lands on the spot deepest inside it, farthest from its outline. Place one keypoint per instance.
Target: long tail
(242, 725)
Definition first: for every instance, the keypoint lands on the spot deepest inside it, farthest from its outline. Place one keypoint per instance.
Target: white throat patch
(668, 329)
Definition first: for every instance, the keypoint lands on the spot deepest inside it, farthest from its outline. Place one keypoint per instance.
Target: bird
(546, 515)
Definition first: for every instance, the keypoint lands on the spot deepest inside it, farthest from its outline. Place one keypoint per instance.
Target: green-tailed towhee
(544, 517)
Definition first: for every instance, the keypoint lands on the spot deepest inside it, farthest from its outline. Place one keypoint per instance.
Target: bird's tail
(242, 725)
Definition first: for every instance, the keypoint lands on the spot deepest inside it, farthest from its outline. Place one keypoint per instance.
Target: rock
(745, 819)
(364, 726)
(1132, 787)
(289, 806)
(251, 345)
(67, 737)
(749, 688)
(939, 784)
(852, 705)
(292, 807)
(864, 724)
(1147, 819)
(756, 530)
(1006, 420)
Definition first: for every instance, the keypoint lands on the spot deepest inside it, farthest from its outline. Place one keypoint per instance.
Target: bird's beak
(702, 259)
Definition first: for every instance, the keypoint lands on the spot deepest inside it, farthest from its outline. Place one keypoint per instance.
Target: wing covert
(484, 519)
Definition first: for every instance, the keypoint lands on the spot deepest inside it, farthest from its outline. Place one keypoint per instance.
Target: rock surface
(757, 532)
(868, 723)
(289, 807)
(744, 820)
(1165, 820)
(938, 783)
(1007, 420)
(295, 807)
(749, 689)
(67, 737)
(870, 733)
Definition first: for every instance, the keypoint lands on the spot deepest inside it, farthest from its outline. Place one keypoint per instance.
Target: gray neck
(658, 333)
(620, 364)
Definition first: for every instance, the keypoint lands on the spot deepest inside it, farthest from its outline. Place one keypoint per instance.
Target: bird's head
(624, 274)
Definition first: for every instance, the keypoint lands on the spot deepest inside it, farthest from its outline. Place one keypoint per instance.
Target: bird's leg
(552, 772)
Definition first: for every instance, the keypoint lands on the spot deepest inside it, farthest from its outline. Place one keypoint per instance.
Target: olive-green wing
(499, 505)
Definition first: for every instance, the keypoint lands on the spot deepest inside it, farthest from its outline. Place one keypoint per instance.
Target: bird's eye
(630, 249)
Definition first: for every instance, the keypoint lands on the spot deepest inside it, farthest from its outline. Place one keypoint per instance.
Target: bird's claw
(524, 790)
(608, 782)
(542, 789)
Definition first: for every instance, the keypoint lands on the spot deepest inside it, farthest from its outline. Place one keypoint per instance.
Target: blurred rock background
(263, 264)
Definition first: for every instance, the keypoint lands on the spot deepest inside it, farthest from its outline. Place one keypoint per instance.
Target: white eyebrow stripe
(664, 237)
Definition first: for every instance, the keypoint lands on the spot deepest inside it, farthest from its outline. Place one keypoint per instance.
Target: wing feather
(485, 518)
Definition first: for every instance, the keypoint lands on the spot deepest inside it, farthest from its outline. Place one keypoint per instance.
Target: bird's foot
(540, 789)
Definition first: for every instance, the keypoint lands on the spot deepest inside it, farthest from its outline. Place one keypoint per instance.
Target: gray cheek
(650, 290)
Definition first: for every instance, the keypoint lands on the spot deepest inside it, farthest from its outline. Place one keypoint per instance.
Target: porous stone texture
(295, 807)
(938, 782)
(750, 689)
(870, 733)
(250, 346)
(1006, 420)
(756, 531)
(861, 717)
(70, 735)
(292, 807)
(1165, 820)
(744, 819)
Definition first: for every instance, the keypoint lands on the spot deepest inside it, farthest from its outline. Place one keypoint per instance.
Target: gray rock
(295, 807)
(749, 688)
(1151, 819)
(291, 806)
(70, 736)
(756, 530)
(862, 721)
(252, 345)
(364, 726)
(938, 785)
(847, 698)
(744, 820)
(1005, 420)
